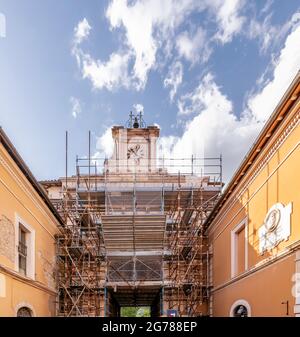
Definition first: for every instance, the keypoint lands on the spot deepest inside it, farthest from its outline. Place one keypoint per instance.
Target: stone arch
(240, 303)
(25, 305)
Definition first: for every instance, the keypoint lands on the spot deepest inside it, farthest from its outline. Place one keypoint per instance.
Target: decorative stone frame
(27, 305)
(30, 242)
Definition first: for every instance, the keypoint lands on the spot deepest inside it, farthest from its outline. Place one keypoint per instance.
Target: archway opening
(135, 312)
(133, 302)
(24, 312)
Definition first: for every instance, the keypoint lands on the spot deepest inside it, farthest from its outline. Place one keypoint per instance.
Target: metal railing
(192, 166)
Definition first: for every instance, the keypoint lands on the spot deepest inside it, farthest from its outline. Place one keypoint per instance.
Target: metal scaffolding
(188, 252)
(135, 237)
(80, 259)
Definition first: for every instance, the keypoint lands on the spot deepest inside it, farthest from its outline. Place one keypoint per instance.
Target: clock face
(135, 152)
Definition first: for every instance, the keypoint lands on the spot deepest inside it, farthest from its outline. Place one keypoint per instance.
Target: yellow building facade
(254, 230)
(28, 224)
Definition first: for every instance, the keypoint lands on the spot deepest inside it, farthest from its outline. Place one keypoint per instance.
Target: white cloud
(138, 35)
(215, 129)
(76, 106)
(262, 103)
(174, 78)
(269, 35)
(110, 74)
(264, 32)
(228, 17)
(212, 128)
(151, 24)
(267, 6)
(147, 25)
(104, 145)
(194, 47)
(138, 108)
(148, 29)
(206, 94)
(2, 25)
(82, 31)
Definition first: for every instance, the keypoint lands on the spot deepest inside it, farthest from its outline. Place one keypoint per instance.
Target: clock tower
(134, 147)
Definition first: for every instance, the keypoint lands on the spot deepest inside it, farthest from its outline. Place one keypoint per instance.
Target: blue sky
(208, 72)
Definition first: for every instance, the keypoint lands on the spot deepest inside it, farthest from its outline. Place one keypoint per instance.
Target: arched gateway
(133, 232)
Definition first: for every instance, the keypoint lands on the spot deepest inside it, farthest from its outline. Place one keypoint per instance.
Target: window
(239, 248)
(240, 238)
(240, 311)
(240, 308)
(22, 250)
(25, 248)
(24, 312)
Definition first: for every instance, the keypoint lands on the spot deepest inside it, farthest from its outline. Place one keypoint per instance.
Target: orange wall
(23, 294)
(265, 290)
(277, 182)
(18, 198)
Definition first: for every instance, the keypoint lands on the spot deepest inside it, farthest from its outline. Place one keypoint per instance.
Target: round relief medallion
(272, 220)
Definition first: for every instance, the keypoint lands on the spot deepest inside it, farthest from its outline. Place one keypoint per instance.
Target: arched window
(240, 308)
(24, 312)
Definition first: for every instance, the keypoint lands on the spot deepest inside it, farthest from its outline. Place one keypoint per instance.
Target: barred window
(22, 250)
(25, 249)
(24, 312)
